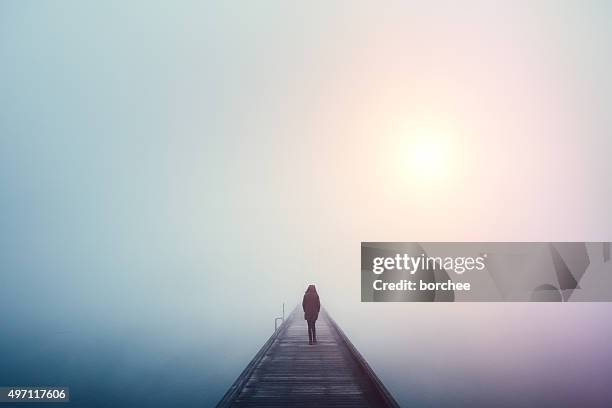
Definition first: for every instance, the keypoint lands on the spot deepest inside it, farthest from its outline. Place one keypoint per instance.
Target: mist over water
(461, 358)
(506, 355)
(170, 175)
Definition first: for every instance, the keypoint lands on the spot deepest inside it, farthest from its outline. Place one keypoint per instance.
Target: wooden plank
(288, 372)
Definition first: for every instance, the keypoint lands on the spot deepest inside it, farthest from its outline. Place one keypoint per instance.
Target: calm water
(444, 355)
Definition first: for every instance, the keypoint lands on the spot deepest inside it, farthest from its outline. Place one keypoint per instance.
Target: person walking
(311, 305)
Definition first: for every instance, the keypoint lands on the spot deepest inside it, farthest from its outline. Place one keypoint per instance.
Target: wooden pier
(288, 372)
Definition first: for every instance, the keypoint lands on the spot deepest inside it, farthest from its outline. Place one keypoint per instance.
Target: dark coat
(311, 306)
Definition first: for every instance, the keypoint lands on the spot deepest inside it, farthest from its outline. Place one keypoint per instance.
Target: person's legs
(314, 331)
(309, 331)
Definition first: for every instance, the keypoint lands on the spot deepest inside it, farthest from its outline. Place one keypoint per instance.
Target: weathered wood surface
(288, 372)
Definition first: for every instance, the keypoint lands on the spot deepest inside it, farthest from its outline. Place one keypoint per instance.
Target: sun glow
(426, 156)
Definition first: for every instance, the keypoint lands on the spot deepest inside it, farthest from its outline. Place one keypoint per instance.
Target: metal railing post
(282, 319)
